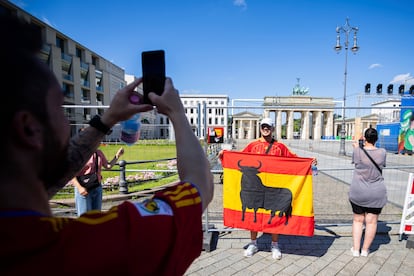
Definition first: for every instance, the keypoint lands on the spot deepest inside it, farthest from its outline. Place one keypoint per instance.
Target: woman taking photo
(367, 194)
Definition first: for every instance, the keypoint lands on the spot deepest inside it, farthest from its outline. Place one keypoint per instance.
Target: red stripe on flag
(297, 225)
(267, 163)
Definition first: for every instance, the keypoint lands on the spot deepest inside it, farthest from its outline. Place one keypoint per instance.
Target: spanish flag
(267, 193)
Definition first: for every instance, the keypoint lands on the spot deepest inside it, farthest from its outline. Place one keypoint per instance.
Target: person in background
(266, 144)
(367, 193)
(92, 200)
(159, 236)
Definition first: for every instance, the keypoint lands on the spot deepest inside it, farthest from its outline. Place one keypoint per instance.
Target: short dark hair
(25, 79)
(371, 135)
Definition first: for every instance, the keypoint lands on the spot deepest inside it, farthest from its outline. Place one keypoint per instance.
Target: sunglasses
(265, 126)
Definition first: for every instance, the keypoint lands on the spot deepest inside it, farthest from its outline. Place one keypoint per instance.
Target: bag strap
(96, 162)
(270, 146)
(369, 156)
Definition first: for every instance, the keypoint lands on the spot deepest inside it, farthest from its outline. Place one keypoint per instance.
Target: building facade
(89, 80)
(205, 111)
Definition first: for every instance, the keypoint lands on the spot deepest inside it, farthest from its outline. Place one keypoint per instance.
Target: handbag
(90, 181)
(369, 156)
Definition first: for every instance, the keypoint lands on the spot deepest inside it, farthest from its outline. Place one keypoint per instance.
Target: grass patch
(144, 150)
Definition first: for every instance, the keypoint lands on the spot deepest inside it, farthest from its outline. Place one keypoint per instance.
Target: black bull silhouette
(255, 195)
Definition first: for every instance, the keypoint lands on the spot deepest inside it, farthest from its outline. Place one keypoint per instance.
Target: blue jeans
(92, 201)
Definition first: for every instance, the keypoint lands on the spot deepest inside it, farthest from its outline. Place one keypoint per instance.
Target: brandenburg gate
(315, 114)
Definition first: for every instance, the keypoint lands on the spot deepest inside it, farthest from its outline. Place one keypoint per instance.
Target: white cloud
(374, 65)
(401, 78)
(240, 3)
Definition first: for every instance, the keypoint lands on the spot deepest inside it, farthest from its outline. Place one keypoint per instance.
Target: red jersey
(260, 146)
(160, 236)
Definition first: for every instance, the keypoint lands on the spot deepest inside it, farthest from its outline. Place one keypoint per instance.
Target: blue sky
(247, 48)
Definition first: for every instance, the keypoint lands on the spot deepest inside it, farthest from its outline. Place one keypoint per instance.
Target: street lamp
(346, 29)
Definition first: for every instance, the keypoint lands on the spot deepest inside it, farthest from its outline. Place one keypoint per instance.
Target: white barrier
(407, 218)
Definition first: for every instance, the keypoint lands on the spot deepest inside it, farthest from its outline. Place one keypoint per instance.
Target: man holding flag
(265, 145)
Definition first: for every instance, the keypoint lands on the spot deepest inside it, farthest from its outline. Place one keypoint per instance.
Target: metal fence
(331, 185)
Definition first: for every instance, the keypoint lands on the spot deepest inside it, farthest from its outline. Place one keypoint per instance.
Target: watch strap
(97, 123)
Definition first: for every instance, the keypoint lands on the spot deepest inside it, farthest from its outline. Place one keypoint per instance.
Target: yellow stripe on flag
(268, 182)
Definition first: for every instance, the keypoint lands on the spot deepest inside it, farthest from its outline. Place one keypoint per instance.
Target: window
(67, 90)
(60, 44)
(94, 60)
(79, 53)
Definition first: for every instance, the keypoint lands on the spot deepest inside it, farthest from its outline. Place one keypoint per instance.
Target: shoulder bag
(270, 146)
(90, 181)
(369, 156)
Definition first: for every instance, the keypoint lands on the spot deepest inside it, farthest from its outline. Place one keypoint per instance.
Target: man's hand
(122, 107)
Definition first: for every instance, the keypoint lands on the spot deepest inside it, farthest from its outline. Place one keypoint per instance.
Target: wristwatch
(97, 123)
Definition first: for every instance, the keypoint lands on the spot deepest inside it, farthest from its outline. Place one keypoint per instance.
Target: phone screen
(153, 73)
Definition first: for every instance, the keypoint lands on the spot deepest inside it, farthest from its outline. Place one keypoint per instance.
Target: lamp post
(346, 29)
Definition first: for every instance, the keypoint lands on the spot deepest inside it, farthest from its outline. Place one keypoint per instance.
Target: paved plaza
(328, 251)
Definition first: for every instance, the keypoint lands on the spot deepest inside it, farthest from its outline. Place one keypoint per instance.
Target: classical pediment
(246, 115)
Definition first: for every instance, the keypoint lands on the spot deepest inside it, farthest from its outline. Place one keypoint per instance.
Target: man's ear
(27, 130)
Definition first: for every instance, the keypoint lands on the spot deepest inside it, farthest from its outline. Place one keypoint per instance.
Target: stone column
(250, 132)
(289, 130)
(304, 135)
(317, 126)
(329, 123)
(241, 132)
(278, 127)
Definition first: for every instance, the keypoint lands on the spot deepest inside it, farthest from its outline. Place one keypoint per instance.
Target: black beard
(54, 160)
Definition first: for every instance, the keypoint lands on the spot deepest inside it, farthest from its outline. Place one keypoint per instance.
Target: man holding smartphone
(160, 236)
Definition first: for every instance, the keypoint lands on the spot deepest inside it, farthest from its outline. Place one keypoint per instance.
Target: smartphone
(361, 143)
(153, 73)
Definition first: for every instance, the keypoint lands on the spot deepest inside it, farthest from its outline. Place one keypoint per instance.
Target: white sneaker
(276, 253)
(364, 253)
(251, 249)
(355, 253)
